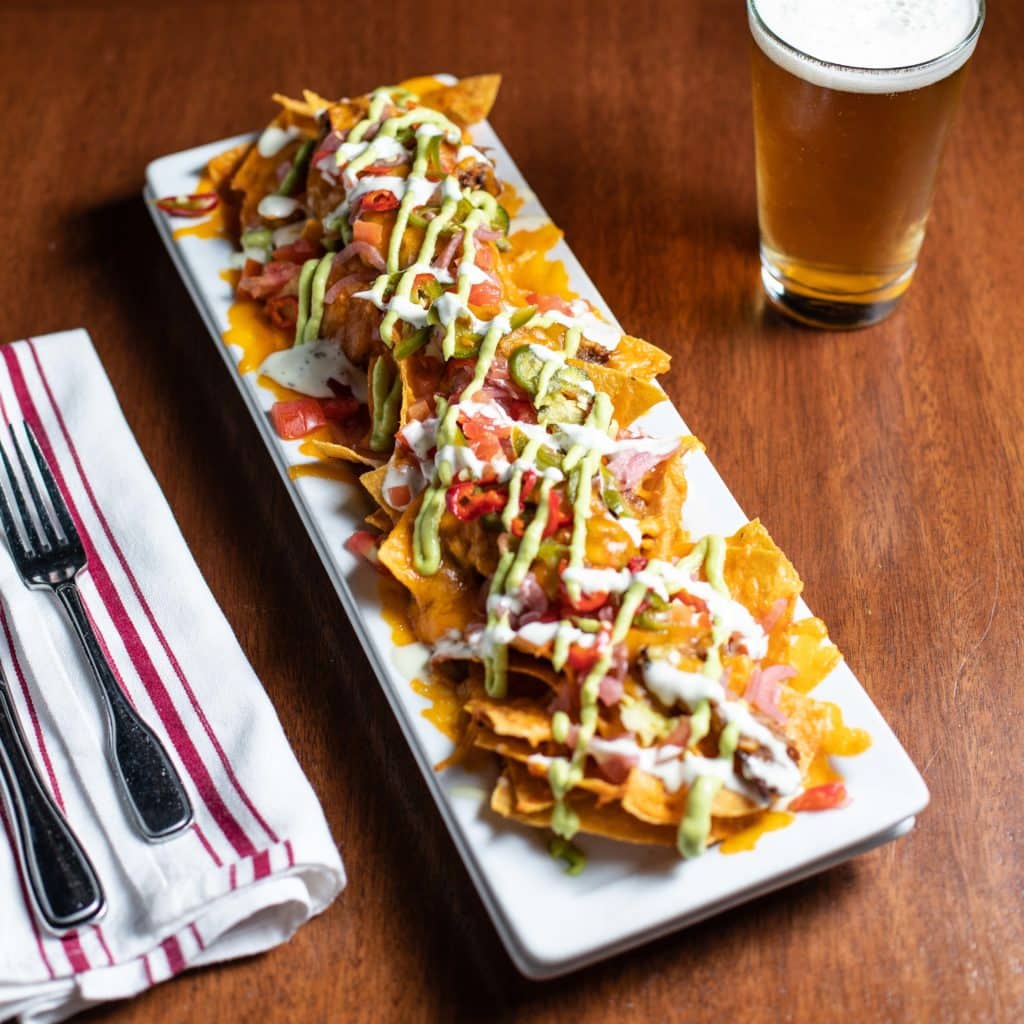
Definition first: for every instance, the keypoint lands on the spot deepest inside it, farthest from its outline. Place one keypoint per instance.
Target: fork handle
(64, 885)
(151, 783)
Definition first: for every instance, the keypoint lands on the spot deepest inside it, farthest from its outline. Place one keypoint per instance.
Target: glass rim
(968, 40)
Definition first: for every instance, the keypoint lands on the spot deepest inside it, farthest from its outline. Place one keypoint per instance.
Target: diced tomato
(379, 200)
(557, 515)
(820, 798)
(588, 602)
(297, 418)
(484, 436)
(486, 293)
(419, 410)
(583, 659)
(467, 500)
(339, 409)
(549, 303)
(637, 563)
(398, 496)
(283, 311)
(368, 231)
(364, 544)
(299, 251)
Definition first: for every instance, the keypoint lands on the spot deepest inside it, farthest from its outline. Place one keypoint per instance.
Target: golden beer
(846, 162)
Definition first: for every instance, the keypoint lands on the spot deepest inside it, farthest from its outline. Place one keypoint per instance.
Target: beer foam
(880, 44)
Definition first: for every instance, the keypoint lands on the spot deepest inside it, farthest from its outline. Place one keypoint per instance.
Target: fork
(51, 559)
(61, 878)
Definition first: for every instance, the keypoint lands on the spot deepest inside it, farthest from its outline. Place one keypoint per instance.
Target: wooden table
(887, 463)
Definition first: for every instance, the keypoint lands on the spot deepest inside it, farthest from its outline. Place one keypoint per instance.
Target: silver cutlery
(49, 555)
(63, 882)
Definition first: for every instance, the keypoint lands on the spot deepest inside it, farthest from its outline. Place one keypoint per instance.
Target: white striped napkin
(259, 860)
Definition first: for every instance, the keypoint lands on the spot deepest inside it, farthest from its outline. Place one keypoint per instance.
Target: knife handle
(63, 881)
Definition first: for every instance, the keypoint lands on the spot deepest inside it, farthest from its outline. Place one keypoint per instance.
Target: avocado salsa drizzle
(581, 463)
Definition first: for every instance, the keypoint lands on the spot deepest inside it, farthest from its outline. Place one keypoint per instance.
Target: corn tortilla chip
(468, 101)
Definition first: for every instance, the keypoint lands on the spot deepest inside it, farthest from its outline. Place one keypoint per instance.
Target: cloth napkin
(259, 860)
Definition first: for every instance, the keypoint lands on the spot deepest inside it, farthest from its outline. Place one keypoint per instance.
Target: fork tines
(47, 529)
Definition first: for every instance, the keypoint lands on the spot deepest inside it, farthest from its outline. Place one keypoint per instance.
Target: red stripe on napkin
(104, 946)
(144, 666)
(175, 958)
(201, 836)
(73, 950)
(261, 865)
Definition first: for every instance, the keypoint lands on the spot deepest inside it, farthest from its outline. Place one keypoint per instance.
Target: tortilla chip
(610, 821)
(639, 358)
(631, 396)
(256, 176)
(373, 482)
(647, 798)
(518, 718)
(806, 646)
(533, 792)
(420, 85)
(223, 165)
(317, 103)
(299, 114)
(379, 520)
(511, 748)
(520, 663)
(664, 492)
(757, 572)
(468, 101)
(333, 450)
(443, 602)
(345, 114)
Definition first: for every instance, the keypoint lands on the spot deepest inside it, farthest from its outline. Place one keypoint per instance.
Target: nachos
(629, 679)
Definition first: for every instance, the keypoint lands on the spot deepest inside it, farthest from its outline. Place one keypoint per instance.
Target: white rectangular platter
(552, 923)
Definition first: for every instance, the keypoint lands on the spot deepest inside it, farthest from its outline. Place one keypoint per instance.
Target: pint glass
(853, 102)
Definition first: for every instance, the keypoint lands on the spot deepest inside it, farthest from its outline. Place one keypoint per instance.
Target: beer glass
(847, 154)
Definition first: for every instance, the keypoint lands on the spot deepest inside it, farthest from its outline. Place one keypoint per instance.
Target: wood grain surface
(887, 463)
